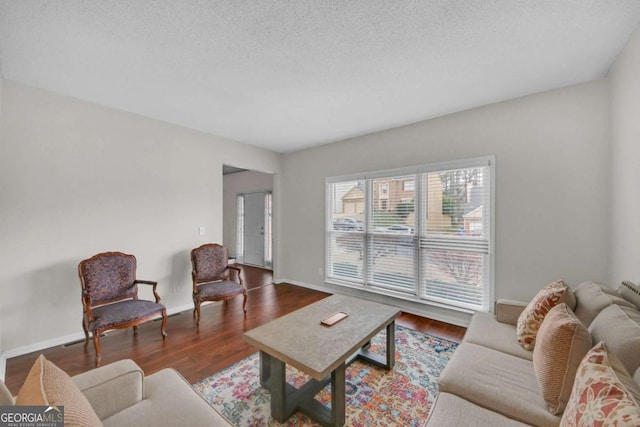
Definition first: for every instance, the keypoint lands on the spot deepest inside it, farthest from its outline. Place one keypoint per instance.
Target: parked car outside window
(400, 229)
(348, 224)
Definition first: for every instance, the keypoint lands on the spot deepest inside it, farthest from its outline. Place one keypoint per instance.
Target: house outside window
(430, 241)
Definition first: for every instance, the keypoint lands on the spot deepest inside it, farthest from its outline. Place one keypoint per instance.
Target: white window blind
(391, 234)
(346, 226)
(455, 237)
(422, 233)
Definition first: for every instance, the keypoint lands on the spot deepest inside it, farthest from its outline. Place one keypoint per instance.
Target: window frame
(367, 234)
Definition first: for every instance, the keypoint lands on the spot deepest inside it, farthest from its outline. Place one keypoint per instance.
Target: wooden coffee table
(323, 352)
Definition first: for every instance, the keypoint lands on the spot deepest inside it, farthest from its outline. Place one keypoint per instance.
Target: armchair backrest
(108, 277)
(209, 263)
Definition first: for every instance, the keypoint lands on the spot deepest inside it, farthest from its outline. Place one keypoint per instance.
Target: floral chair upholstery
(110, 297)
(211, 279)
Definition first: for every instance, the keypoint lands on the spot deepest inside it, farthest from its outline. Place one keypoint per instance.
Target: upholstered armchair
(211, 278)
(110, 297)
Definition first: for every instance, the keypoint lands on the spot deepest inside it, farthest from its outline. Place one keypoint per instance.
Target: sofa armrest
(507, 311)
(113, 387)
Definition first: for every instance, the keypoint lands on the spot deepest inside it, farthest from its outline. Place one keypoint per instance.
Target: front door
(254, 229)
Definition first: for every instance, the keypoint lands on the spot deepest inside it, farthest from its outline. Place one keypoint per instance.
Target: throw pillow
(631, 292)
(561, 343)
(595, 297)
(603, 393)
(619, 327)
(46, 384)
(532, 316)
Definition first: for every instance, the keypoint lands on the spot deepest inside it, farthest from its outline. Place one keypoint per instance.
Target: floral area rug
(375, 397)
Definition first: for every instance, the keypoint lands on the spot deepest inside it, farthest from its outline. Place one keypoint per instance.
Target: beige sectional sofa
(121, 395)
(490, 380)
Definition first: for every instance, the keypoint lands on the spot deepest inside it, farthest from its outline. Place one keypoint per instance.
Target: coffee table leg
(338, 396)
(265, 369)
(391, 345)
(278, 390)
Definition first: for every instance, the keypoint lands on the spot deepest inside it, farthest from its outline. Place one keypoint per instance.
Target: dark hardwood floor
(198, 352)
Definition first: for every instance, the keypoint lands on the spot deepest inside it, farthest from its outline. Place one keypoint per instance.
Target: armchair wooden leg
(244, 303)
(96, 344)
(135, 329)
(197, 313)
(86, 333)
(164, 324)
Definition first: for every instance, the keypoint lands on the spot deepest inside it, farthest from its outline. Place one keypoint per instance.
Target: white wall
(625, 121)
(241, 182)
(553, 178)
(77, 179)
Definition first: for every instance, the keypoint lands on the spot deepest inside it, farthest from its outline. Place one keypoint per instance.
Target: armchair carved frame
(110, 297)
(211, 278)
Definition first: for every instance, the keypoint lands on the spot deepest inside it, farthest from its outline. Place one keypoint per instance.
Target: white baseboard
(441, 314)
(65, 339)
(52, 342)
(179, 309)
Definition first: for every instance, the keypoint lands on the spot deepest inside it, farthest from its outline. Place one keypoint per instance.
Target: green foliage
(403, 209)
(386, 218)
(448, 205)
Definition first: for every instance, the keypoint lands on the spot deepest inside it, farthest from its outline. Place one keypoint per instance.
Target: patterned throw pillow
(603, 393)
(532, 316)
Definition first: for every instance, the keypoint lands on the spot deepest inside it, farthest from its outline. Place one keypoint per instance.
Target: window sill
(399, 295)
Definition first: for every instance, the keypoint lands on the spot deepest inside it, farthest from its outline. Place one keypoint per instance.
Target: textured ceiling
(286, 75)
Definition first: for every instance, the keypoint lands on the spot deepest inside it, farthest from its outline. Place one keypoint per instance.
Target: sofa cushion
(619, 328)
(630, 292)
(592, 298)
(453, 411)
(46, 384)
(485, 330)
(171, 401)
(561, 344)
(497, 381)
(532, 316)
(603, 393)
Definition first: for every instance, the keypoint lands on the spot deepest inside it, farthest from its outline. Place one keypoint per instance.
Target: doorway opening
(255, 228)
(248, 216)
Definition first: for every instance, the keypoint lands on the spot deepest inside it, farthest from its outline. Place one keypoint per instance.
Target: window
(427, 237)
